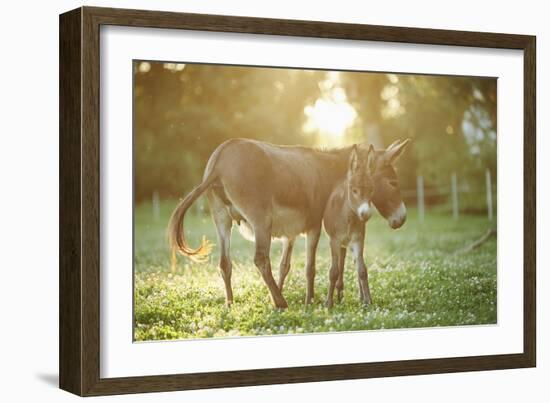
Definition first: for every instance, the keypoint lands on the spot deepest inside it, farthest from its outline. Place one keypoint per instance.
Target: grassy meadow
(415, 279)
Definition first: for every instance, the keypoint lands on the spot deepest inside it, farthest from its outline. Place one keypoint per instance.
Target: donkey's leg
(340, 281)
(262, 233)
(284, 266)
(223, 222)
(357, 248)
(360, 287)
(334, 274)
(311, 250)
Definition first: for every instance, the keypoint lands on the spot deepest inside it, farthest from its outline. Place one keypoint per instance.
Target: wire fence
(424, 197)
(452, 191)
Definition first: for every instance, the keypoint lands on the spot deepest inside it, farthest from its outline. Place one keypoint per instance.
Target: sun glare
(331, 115)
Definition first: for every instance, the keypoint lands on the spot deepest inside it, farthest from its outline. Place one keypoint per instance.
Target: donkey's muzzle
(398, 217)
(364, 212)
(397, 223)
(364, 216)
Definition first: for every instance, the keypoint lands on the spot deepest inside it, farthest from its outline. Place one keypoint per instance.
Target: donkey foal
(347, 211)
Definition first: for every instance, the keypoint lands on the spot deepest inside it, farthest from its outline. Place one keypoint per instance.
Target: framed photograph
(249, 201)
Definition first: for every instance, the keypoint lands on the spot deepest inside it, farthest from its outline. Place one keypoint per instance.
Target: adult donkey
(386, 197)
(273, 191)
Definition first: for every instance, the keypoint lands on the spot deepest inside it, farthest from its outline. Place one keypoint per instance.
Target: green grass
(415, 281)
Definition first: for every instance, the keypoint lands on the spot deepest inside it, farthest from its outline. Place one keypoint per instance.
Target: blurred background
(184, 111)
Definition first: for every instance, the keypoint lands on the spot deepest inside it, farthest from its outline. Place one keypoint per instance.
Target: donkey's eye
(393, 183)
(355, 191)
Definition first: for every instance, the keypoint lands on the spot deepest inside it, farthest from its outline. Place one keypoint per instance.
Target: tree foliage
(182, 112)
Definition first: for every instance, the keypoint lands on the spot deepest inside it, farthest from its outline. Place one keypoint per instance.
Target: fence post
(156, 206)
(420, 196)
(454, 193)
(489, 187)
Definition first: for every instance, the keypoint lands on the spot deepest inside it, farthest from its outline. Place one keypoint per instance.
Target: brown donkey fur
(347, 211)
(274, 191)
(386, 198)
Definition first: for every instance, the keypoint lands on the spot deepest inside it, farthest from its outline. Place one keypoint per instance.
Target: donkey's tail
(176, 233)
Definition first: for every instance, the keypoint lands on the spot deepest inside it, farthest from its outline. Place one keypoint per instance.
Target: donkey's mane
(317, 149)
(313, 149)
(328, 150)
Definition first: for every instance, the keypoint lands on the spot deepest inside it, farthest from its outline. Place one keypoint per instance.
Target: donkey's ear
(353, 159)
(395, 143)
(394, 151)
(371, 159)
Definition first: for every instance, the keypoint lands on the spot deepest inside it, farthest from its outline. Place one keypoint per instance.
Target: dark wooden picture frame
(79, 349)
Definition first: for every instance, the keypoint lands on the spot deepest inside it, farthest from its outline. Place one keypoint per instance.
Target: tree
(183, 112)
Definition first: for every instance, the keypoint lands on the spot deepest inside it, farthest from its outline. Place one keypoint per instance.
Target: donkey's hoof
(281, 305)
(367, 302)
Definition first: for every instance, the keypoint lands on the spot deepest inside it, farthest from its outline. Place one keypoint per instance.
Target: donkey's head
(360, 182)
(387, 196)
